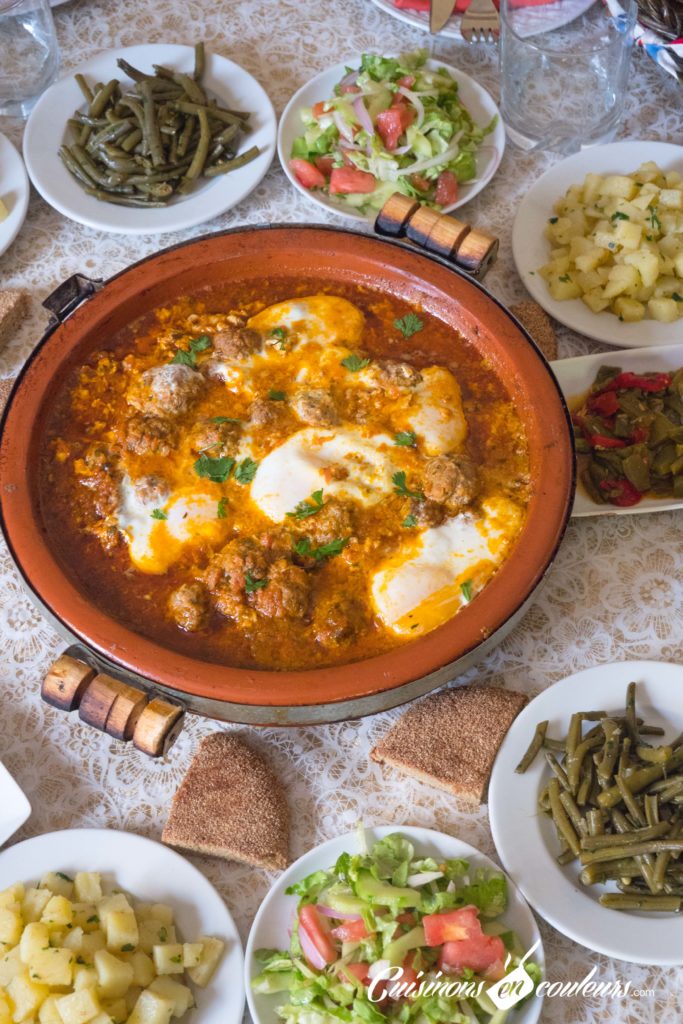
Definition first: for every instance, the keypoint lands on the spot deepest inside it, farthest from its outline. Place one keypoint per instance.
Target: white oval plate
(575, 377)
(14, 190)
(14, 807)
(46, 130)
(477, 100)
(525, 839)
(270, 929)
(151, 873)
(564, 11)
(531, 249)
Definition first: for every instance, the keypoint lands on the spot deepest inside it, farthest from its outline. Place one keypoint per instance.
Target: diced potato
(192, 953)
(116, 1010)
(13, 894)
(5, 1010)
(110, 904)
(59, 883)
(665, 310)
(563, 287)
(152, 1008)
(88, 886)
(52, 967)
(10, 965)
(114, 977)
(592, 186)
(132, 996)
(678, 264)
(592, 257)
(629, 310)
(648, 172)
(48, 1013)
(171, 989)
(86, 916)
(211, 954)
(646, 263)
(672, 197)
(121, 930)
(102, 1018)
(34, 904)
(78, 1007)
(143, 968)
(85, 976)
(168, 959)
(161, 912)
(27, 996)
(74, 940)
(58, 911)
(35, 938)
(618, 185)
(153, 933)
(621, 279)
(10, 926)
(628, 234)
(91, 942)
(667, 285)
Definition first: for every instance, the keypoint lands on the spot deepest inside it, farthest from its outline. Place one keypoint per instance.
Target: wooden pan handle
(469, 249)
(109, 705)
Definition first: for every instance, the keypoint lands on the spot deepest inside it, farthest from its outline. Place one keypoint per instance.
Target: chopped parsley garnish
(127, 948)
(309, 507)
(245, 471)
(188, 357)
(405, 438)
(60, 874)
(176, 959)
(409, 324)
(565, 277)
(399, 482)
(618, 215)
(163, 935)
(281, 334)
(354, 363)
(80, 960)
(158, 513)
(409, 522)
(552, 220)
(217, 470)
(611, 245)
(222, 508)
(251, 584)
(224, 419)
(329, 550)
(655, 222)
(277, 396)
(466, 590)
(676, 297)
(93, 919)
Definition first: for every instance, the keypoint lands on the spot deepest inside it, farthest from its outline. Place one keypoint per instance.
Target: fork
(480, 22)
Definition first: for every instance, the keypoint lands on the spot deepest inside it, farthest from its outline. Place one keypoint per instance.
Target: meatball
(99, 458)
(239, 559)
(237, 342)
(218, 439)
(427, 513)
(338, 620)
(167, 390)
(151, 490)
(286, 593)
(390, 374)
(262, 412)
(189, 607)
(451, 480)
(150, 435)
(105, 488)
(316, 408)
(334, 521)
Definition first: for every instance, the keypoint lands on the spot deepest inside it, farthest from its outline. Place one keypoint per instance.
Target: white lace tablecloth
(615, 591)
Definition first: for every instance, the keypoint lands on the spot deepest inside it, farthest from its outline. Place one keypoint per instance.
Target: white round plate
(531, 249)
(477, 100)
(564, 11)
(270, 929)
(525, 839)
(46, 130)
(152, 873)
(14, 190)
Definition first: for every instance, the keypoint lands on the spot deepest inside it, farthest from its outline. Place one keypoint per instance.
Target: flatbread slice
(230, 804)
(450, 739)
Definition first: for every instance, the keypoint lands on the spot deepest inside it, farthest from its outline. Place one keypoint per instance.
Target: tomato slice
(350, 931)
(479, 953)
(446, 189)
(392, 123)
(451, 925)
(306, 173)
(318, 109)
(350, 179)
(318, 932)
(324, 164)
(359, 971)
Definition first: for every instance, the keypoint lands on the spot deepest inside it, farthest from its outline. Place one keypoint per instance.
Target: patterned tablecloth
(615, 592)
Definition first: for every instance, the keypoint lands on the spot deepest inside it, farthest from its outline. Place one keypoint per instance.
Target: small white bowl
(478, 101)
(270, 929)
(14, 191)
(14, 807)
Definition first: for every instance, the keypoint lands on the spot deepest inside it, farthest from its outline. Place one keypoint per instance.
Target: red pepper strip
(649, 382)
(605, 404)
(600, 441)
(639, 435)
(626, 494)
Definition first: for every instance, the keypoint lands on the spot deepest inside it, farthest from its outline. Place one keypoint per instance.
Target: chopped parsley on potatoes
(69, 954)
(618, 244)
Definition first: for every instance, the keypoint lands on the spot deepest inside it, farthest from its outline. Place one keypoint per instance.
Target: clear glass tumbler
(564, 70)
(29, 55)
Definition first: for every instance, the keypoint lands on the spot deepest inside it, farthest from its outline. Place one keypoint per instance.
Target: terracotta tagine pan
(247, 256)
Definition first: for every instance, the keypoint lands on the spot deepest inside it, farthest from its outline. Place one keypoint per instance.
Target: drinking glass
(563, 82)
(29, 55)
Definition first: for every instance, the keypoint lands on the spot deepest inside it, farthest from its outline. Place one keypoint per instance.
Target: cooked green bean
(122, 200)
(575, 816)
(610, 751)
(130, 142)
(641, 778)
(627, 849)
(575, 760)
(150, 128)
(557, 769)
(593, 874)
(636, 836)
(561, 819)
(533, 748)
(617, 901)
(654, 755)
(199, 61)
(231, 165)
(102, 98)
(84, 87)
(187, 107)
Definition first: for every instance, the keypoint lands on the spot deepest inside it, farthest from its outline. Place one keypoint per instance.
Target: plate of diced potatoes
(106, 927)
(598, 242)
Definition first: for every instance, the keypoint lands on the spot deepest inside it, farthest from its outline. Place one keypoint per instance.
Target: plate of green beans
(586, 809)
(150, 139)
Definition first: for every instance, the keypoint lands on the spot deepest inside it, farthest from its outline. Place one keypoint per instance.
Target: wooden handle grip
(112, 706)
(469, 249)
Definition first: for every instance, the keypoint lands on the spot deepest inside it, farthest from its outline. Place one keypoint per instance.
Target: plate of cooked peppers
(627, 414)
(150, 139)
(586, 808)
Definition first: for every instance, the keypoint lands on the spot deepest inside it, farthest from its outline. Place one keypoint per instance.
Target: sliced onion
(423, 878)
(378, 967)
(349, 79)
(310, 952)
(337, 914)
(416, 101)
(434, 161)
(401, 150)
(451, 886)
(342, 128)
(363, 116)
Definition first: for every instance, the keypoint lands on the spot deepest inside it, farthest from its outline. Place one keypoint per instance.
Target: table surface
(614, 593)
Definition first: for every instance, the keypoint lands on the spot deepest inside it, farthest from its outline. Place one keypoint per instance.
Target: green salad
(388, 935)
(392, 125)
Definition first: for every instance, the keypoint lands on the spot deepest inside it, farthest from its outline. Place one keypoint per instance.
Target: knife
(439, 13)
